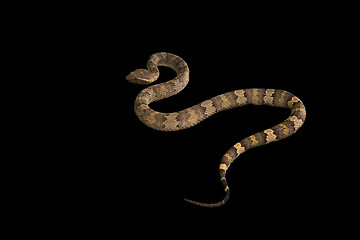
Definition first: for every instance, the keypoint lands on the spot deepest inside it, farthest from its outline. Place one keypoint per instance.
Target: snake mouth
(134, 77)
(130, 77)
(137, 80)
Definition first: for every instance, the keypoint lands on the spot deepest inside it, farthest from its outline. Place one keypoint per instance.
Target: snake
(192, 116)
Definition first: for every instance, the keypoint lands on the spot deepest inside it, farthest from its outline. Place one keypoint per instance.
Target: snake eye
(141, 76)
(130, 77)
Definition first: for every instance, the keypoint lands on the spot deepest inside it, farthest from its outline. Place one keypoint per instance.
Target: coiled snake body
(193, 115)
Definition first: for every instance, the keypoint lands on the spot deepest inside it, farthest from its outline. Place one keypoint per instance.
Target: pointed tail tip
(210, 205)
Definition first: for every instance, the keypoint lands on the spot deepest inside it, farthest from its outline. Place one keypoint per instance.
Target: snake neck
(166, 59)
(169, 88)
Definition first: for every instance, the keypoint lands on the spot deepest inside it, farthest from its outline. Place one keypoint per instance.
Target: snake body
(193, 115)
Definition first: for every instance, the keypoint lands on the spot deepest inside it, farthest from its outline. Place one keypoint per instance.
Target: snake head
(140, 76)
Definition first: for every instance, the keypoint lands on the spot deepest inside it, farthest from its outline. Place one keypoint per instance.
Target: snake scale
(193, 115)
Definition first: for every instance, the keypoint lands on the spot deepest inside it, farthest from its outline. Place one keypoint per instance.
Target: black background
(108, 165)
(163, 168)
(153, 171)
(146, 168)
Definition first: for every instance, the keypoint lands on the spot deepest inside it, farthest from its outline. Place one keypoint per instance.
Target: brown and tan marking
(193, 115)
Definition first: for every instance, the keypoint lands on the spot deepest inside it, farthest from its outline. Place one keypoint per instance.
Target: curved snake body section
(193, 115)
